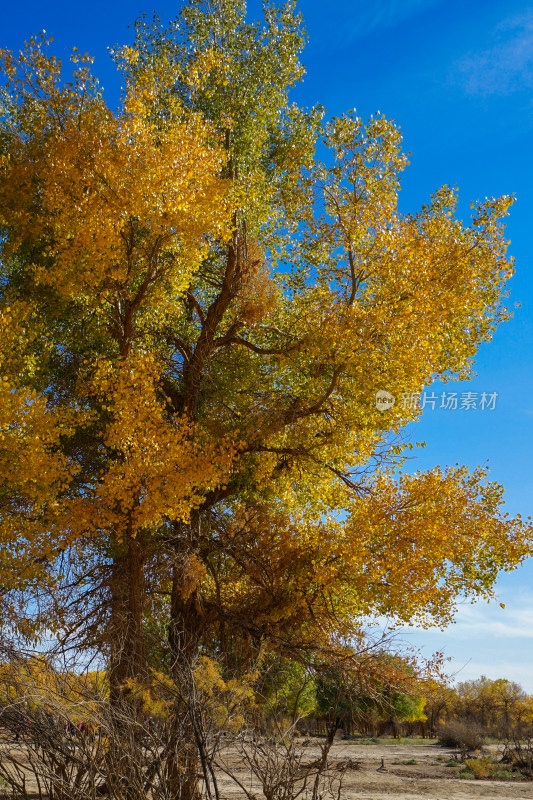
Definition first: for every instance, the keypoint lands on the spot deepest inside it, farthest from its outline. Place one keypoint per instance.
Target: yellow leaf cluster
(123, 200)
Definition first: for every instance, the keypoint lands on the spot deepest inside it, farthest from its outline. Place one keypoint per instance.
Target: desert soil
(428, 779)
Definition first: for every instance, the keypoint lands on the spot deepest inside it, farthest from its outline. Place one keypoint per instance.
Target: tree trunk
(184, 638)
(126, 667)
(127, 657)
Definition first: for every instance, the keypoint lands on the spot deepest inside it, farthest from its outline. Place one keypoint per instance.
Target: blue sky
(458, 79)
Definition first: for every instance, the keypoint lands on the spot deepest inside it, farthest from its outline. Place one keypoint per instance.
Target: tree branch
(225, 341)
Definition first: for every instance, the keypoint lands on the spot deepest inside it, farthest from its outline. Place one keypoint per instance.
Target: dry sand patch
(428, 779)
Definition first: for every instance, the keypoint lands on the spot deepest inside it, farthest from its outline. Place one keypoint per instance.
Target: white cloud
(481, 619)
(514, 619)
(485, 639)
(506, 65)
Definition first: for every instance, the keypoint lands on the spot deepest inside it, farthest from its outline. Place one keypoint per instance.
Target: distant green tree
(286, 689)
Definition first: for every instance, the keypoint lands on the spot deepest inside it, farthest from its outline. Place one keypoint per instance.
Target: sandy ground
(428, 779)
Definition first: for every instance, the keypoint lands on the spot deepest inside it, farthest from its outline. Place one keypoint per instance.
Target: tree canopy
(202, 292)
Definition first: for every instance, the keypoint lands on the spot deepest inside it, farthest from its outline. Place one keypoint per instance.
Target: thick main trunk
(127, 656)
(126, 667)
(185, 764)
(185, 623)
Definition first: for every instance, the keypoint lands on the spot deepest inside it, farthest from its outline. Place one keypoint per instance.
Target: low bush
(505, 774)
(465, 735)
(481, 767)
(519, 755)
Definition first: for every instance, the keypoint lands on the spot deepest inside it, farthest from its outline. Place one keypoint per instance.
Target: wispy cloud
(486, 639)
(515, 620)
(506, 65)
(373, 16)
(483, 620)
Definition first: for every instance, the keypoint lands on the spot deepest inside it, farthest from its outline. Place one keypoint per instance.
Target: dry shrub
(463, 734)
(62, 739)
(279, 769)
(73, 744)
(519, 755)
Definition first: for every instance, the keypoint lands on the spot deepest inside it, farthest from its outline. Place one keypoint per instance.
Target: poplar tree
(197, 313)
